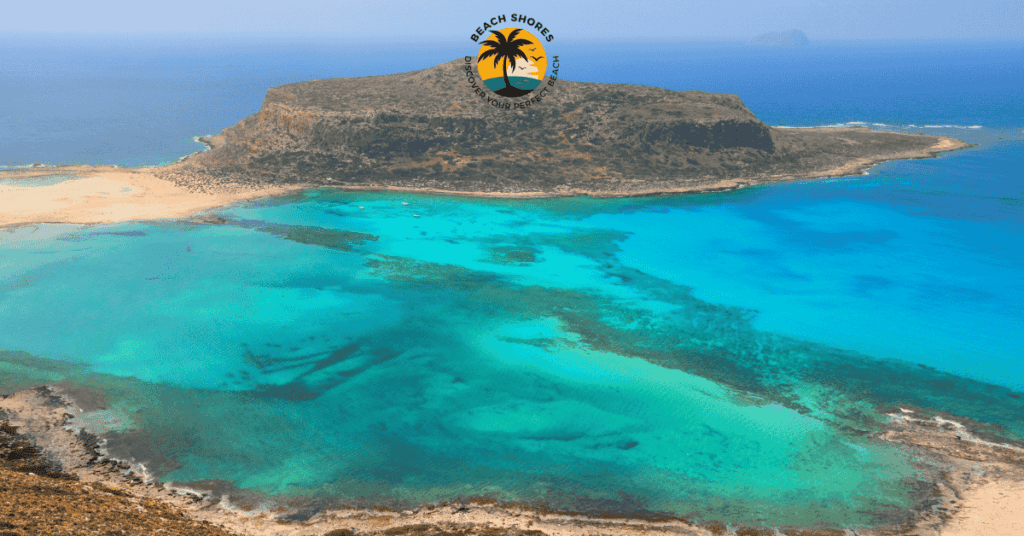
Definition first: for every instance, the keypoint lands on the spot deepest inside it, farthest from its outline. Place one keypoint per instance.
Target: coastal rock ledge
(428, 130)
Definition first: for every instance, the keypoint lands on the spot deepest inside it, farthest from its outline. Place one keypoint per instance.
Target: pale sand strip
(991, 509)
(983, 482)
(106, 194)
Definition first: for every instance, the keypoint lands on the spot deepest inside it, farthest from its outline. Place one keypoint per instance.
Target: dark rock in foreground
(428, 130)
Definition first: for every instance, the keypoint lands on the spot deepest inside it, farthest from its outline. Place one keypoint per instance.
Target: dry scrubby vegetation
(427, 129)
(38, 499)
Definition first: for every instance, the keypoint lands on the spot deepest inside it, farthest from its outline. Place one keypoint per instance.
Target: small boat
(361, 207)
(415, 215)
(404, 203)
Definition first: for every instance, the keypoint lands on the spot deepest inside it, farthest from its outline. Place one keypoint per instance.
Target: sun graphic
(512, 62)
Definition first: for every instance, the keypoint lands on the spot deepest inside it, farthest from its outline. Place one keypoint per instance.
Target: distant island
(780, 39)
(428, 131)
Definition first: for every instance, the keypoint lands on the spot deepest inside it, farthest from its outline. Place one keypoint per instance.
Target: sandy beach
(107, 194)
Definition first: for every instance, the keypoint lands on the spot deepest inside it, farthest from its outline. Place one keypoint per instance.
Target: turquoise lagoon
(717, 356)
(722, 356)
(521, 82)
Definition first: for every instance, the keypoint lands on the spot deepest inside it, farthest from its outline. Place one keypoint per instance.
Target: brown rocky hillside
(428, 129)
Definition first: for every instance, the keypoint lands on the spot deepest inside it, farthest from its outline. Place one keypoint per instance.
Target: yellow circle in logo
(512, 62)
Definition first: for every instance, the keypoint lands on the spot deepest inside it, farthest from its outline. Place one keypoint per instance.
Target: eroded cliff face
(428, 129)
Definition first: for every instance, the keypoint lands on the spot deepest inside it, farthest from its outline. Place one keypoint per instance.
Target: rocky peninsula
(426, 130)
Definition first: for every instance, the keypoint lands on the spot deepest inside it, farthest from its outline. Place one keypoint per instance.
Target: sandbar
(109, 194)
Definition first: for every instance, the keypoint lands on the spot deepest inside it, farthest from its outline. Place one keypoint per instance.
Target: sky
(570, 21)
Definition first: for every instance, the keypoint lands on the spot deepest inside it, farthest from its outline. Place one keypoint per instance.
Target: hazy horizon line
(451, 40)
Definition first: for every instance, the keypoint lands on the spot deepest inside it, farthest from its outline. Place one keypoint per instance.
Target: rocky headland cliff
(428, 130)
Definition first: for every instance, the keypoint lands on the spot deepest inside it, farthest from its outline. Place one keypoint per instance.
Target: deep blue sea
(716, 356)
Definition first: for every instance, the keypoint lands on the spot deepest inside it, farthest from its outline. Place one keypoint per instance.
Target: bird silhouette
(535, 58)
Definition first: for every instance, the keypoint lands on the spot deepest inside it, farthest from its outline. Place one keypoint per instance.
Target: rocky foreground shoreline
(56, 479)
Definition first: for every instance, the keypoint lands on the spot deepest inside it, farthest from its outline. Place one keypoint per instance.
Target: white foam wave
(856, 124)
(140, 468)
(197, 139)
(27, 166)
(184, 490)
(959, 429)
(965, 127)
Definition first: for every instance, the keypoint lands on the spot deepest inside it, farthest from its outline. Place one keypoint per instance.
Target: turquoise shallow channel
(720, 356)
(521, 82)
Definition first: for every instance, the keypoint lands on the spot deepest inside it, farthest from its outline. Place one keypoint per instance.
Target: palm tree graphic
(506, 51)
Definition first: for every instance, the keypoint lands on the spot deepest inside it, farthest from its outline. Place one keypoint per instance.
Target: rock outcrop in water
(428, 130)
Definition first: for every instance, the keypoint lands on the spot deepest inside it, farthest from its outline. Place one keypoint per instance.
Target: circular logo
(512, 62)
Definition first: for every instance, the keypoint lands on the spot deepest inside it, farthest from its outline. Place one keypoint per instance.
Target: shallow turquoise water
(521, 82)
(46, 180)
(716, 356)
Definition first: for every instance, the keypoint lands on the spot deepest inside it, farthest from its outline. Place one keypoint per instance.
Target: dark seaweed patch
(513, 255)
(119, 233)
(300, 388)
(305, 234)
(720, 343)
